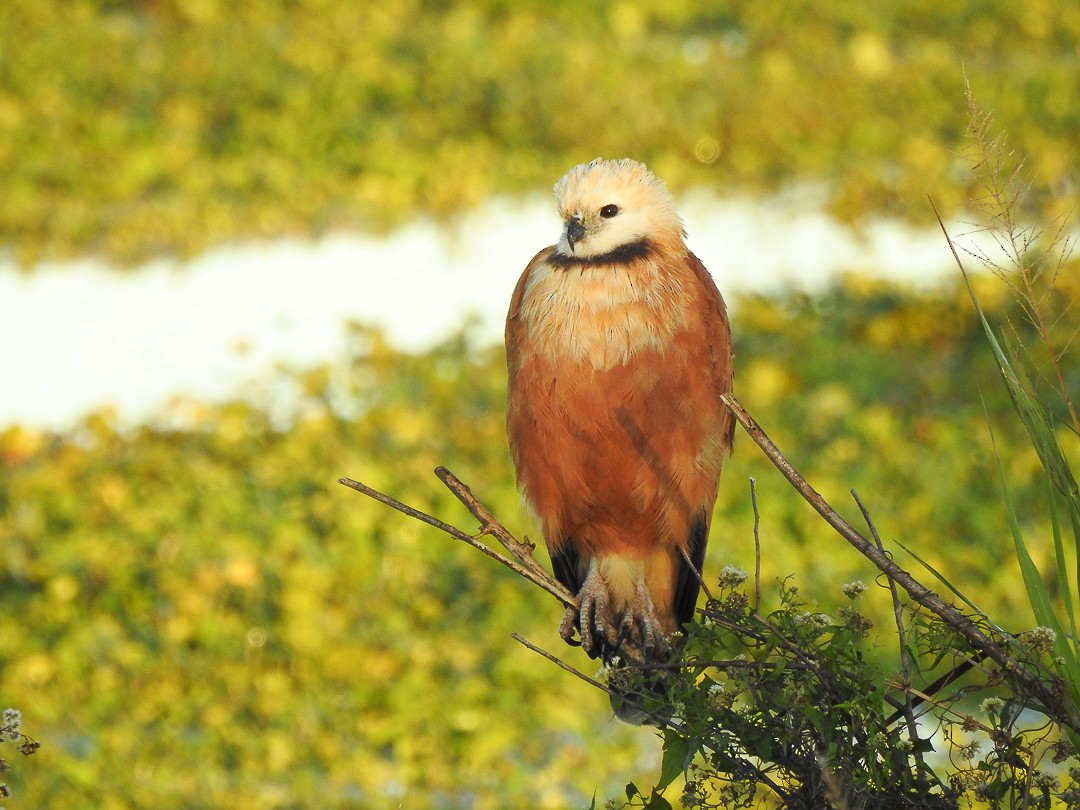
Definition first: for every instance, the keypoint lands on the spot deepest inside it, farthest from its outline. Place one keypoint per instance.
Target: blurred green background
(198, 616)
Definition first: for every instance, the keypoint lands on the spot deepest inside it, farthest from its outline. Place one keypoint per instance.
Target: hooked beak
(575, 232)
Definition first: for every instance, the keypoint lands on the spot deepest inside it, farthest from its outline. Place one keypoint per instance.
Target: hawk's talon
(602, 632)
(595, 617)
(569, 625)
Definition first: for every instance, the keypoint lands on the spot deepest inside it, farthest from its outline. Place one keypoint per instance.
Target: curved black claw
(569, 626)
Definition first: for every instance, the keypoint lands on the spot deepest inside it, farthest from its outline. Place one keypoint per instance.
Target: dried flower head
(731, 576)
(1044, 780)
(853, 590)
(1039, 639)
(721, 698)
(11, 724)
(1063, 750)
(813, 619)
(855, 620)
(969, 750)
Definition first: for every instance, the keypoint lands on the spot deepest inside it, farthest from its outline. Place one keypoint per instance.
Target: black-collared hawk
(618, 348)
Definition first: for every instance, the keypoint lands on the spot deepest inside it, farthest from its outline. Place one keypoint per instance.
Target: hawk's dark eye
(608, 211)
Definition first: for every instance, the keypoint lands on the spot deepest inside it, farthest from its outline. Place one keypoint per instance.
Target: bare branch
(1025, 681)
(522, 552)
(533, 572)
(561, 664)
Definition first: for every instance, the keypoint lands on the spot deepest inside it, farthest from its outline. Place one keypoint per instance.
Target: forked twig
(523, 563)
(522, 552)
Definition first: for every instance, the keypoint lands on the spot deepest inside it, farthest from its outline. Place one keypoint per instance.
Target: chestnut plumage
(618, 348)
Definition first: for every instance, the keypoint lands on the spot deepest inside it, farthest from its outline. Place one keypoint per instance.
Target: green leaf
(1074, 522)
(1038, 421)
(1011, 711)
(1039, 424)
(1064, 588)
(678, 752)
(1036, 588)
(657, 802)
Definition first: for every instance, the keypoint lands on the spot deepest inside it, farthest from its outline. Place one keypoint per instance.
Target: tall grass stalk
(1029, 259)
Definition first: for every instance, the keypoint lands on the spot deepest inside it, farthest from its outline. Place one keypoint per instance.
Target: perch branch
(522, 552)
(1025, 680)
(534, 572)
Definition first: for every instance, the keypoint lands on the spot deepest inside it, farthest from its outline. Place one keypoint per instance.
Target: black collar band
(620, 255)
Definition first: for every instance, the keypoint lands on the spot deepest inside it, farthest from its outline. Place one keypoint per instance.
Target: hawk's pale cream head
(611, 204)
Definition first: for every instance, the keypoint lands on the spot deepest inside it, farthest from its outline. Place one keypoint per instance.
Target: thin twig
(923, 695)
(905, 662)
(526, 564)
(757, 545)
(405, 509)
(898, 615)
(1025, 680)
(697, 574)
(561, 664)
(655, 719)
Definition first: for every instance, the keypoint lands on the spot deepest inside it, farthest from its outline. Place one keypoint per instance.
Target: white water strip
(79, 336)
